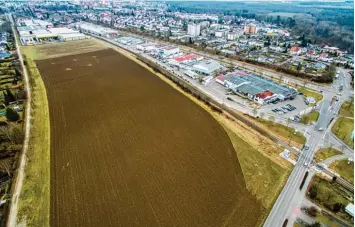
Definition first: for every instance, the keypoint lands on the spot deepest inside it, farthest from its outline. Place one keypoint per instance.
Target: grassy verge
(307, 92)
(325, 153)
(311, 117)
(283, 131)
(263, 177)
(347, 109)
(343, 128)
(344, 169)
(34, 200)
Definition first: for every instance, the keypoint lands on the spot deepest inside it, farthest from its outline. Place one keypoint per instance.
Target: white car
(305, 164)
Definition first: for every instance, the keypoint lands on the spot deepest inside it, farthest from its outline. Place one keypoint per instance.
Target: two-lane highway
(289, 201)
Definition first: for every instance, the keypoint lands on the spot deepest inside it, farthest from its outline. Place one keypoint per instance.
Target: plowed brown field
(129, 150)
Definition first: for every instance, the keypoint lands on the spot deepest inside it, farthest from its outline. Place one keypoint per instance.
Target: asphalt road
(288, 204)
(322, 121)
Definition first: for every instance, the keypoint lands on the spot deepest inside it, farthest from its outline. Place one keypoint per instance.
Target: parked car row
(284, 109)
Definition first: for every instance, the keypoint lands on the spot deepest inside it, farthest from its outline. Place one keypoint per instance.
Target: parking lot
(298, 104)
(280, 110)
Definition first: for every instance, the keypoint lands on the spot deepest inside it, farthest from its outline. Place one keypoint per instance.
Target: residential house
(295, 50)
(325, 57)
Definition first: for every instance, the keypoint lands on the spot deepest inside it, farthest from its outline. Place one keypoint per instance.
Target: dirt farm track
(129, 150)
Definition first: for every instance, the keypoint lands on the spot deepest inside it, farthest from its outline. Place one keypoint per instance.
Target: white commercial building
(194, 29)
(169, 51)
(37, 31)
(128, 40)
(72, 36)
(97, 30)
(146, 47)
(62, 30)
(207, 67)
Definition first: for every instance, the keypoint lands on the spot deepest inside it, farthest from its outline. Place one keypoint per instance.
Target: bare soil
(129, 150)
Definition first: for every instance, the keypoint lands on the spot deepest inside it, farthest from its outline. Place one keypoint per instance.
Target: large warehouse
(97, 30)
(255, 87)
(207, 67)
(36, 31)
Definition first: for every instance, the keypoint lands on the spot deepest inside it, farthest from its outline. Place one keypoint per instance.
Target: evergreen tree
(337, 207)
(11, 114)
(8, 96)
(278, 19)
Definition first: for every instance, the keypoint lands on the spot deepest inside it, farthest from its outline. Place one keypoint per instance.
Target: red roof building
(310, 52)
(295, 50)
(324, 55)
(341, 53)
(241, 73)
(221, 78)
(184, 58)
(264, 94)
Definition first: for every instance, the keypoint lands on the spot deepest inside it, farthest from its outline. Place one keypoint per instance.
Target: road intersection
(291, 197)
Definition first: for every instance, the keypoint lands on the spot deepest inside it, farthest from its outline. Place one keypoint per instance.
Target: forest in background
(331, 23)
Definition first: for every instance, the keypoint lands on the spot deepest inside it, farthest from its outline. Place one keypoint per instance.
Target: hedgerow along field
(129, 150)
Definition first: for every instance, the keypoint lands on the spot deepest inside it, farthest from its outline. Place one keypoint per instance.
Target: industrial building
(169, 51)
(127, 40)
(207, 67)
(23, 22)
(71, 37)
(96, 30)
(256, 88)
(36, 31)
(146, 47)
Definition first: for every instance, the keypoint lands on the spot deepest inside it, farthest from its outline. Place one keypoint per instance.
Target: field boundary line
(13, 210)
(195, 91)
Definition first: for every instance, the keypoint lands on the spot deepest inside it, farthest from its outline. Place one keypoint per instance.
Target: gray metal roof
(257, 84)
